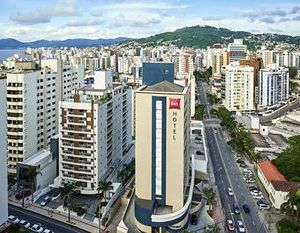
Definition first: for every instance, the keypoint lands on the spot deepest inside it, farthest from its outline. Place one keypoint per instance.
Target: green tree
(66, 191)
(210, 195)
(199, 112)
(104, 187)
(215, 229)
(293, 72)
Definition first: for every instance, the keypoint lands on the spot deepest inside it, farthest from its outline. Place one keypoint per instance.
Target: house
(275, 183)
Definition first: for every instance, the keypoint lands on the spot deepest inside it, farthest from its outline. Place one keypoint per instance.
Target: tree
(199, 112)
(104, 187)
(66, 191)
(209, 194)
(293, 72)
(215, 229)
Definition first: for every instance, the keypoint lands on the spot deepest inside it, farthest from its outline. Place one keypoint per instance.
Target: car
(257, 196)
(198, 142)
(215, 130)
(243, 165)
(48, 231)
(240, 161)
(256, 192)
(246, 208)
(198, 152)
(198, 138)
(45, 201)
(240, 226)
(230, 225)
(250, 181)
(194, 219)
(236, 209)
(264, 206)
(253, 188)
(259, 202)
(13, 219)
(36, 228)
(230, 192)
(25, 224)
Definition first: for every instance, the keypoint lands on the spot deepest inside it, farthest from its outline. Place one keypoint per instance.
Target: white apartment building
(237, 50)
(239, 87)
(3, 158)
(268, 57)
(273, 86)
(94, 134)
(31, 113)
(184, 64)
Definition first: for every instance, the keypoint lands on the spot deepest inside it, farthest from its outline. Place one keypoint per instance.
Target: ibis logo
(174, 103)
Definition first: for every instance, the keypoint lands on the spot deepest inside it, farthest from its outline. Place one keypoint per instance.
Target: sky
(29, 20)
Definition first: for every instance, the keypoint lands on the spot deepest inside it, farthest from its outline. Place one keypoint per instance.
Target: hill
(203, 36)
(15, 44)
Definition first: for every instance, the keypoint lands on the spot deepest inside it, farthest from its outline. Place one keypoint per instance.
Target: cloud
(295, 10)
(267, 20)
(213, 18)
(44, 14)
(96, 13)
(82, 23)
(142, 6)
(253, 15)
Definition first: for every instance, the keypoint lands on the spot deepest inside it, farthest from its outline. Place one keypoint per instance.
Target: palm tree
(66, 191)
(104, 187)
(209, 194)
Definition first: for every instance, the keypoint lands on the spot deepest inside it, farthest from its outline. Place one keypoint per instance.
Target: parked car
(198, 152)
(264, 207)
(47, 231)
(194, 219)
(198, 138)
(45, 201)
(25, 224)
(36, 228)
(250, 181)
(256, 192)
(236, 209)
(230, 192)
(243, 165)
(240, 226)
(257, 195)
(215, 130)
(246, 208)
(13, 219)
(259, 202)
(240, 161)
(230, 225)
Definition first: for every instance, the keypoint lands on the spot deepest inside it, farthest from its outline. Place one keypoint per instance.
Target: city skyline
(93, 19)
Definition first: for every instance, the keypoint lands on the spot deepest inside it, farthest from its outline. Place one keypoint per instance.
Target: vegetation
(203, 36)
(214, 99)
(288, 162)
(215, 229)
(17, 229)
(240, 139)
(79, 209)
(203, 75)
(210, 196)
(27, 176)
(293, 72)
(288, 225)
(294, 86)
(127, 172)
(66, 191)
(104, 187)
(199, 112)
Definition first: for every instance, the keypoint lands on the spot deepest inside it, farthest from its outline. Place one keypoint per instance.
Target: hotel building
(164, 169)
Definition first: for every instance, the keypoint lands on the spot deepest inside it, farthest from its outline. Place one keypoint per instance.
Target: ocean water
(6, 53)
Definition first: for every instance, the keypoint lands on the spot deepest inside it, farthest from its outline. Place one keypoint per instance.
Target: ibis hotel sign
(174, 103)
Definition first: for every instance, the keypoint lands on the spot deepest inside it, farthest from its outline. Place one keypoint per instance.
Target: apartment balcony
(79, 155)
(79, 130)
(79, 139)
(79, 122)
(79, 115)
(79, 147)
(73, 162)
(72, 177)
(82, 171)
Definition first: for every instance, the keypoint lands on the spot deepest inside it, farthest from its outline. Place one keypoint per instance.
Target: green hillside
(201, 37)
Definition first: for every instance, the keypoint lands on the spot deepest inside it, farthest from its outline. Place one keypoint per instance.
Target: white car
(240, 226)
(48, 231)
(256, 192)
(24, 223)
(264, 207)
(257, 195)
(36, 228)
(13, 219)
(230, 192)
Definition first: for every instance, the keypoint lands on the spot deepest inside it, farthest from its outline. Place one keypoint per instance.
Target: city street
(46, 222)
(227, 175)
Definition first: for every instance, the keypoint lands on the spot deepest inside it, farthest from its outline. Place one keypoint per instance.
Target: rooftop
(165, 86)
(258, 140)
(270, 171)
(36, 159)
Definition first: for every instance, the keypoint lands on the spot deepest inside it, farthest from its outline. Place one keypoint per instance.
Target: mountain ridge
(11, 43)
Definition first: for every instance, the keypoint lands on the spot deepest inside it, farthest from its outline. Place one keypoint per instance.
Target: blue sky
(28, 20)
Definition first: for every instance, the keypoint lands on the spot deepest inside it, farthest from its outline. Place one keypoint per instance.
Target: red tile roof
(270, 171)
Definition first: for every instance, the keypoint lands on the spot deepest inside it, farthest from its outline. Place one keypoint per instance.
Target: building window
(158, 147)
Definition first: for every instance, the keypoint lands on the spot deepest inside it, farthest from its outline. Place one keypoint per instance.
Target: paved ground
(46, 222)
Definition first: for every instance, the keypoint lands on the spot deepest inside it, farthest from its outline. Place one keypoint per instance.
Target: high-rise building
(94, 134)
(273, 86)
(185, 65)
(31, 113)
(237, 50)
(3, 158)
(164, 171)
(155, 72)
(239, 87)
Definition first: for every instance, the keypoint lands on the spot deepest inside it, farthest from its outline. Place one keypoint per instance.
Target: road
(227, 173)
(55, 226)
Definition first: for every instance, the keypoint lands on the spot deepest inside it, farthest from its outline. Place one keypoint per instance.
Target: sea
(6, 53)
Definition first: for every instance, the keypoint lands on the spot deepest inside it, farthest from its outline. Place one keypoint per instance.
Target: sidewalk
(62, 217)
